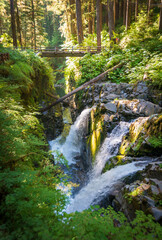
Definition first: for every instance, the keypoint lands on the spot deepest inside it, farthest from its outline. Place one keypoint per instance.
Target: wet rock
(141, 195)
(154, 190)
(157, 213)
(143, 138)
(111, 107)
(53, 122)
(135, 108)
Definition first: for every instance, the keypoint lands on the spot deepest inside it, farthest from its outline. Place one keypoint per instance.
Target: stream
(95, 185)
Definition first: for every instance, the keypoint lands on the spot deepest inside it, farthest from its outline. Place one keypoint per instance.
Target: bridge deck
(64, 52)
(69, 52)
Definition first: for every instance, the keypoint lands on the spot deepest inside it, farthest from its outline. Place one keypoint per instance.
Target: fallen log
(92, 81)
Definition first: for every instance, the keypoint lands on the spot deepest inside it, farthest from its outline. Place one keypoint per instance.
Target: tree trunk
(124, 12)
(93, 16)
(18, 24)
(128, 14)
(1, 24)
(114, 12)
(79, 21)
(34, 27)
(121, 6)
(136, 9)
(160, 20)
(117, 11)
(94, 80)
(149, 7)
(101, 16)
(72, 18)
(111, 18)
(98, 25)
(90, 18)
(107, 24)
(13, 25)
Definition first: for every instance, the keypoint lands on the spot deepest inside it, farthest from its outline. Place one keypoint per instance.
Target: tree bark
(79, 21)
(124, 12)
(93, 17)
(34, 27)
(114, 12)
(149, 7)
(98, 25)
(72, 18)
(128, 14)
(111, 18)
(101, 8)
(160, 20)
(13, 25)
(94, 80)
(121, 7)
(136, 9)
(18, 24)
(117, 11)
(90, 18)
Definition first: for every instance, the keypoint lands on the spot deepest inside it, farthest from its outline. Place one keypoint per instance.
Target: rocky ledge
(145, 193)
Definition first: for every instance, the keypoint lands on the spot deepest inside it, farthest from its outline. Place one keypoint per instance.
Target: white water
(109, 147)
(101, 185)
(73, 144)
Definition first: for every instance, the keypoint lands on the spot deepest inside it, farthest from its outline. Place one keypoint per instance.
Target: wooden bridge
(68, 52)
(64, 51)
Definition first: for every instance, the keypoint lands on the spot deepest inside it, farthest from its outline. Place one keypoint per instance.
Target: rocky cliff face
(139, 104)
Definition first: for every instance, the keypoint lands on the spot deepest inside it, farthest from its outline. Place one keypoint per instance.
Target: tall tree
(117, 11)
(98, 24)
(18, 24)
(160, 20)
(110, 4)
(79, 21)
(72, 18)
(124, 11)
(114, 11)
(89, 18)
(136, 9)
(13, 24)
(34, 41)
(128, 14)
(149, 7)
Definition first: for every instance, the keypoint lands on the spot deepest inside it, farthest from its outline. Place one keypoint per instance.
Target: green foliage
(107, 224)
(155, 141)
(91, 67)
(30, 200)
(30, 74)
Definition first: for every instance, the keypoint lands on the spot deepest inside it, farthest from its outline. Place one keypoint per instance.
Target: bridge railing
(64, 49)
(73, 49)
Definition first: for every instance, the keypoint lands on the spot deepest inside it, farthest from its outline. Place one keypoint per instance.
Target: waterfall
(71, 148)
(101, 186)
(109, 147)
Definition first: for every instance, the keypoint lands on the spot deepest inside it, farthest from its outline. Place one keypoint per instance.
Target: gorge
(108, 167)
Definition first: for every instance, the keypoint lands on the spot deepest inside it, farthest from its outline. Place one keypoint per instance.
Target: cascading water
(99, 184)
(109, 147)
(71, 148)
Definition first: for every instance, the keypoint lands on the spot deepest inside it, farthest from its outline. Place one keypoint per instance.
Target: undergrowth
(139, 50)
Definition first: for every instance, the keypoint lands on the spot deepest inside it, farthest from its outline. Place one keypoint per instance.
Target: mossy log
(92, 81)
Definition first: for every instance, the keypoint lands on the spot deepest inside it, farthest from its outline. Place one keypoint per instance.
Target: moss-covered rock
(144, 137)
(142, 194)
(96, 126)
